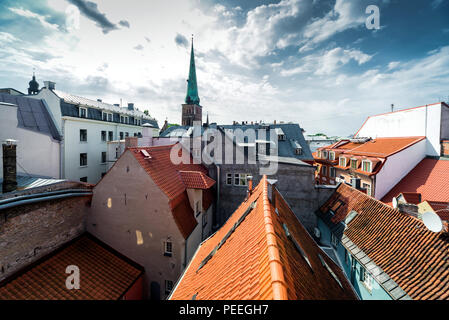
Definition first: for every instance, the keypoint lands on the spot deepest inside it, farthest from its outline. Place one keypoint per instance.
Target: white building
(430, 121)
(28, 122)
(86, 126)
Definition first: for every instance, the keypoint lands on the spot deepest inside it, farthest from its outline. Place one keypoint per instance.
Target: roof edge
(277, 274)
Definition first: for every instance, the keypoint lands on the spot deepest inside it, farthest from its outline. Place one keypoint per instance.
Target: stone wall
(30, 231)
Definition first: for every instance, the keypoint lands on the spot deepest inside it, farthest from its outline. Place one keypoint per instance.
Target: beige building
(154, 212)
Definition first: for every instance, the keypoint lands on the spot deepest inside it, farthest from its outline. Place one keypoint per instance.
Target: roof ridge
(277, 274)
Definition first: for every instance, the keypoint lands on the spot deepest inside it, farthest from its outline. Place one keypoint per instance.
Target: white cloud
(30, 14)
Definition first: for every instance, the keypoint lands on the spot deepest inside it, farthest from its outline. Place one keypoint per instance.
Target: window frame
(324, 171)
(80, 113)
(356, 164)
(104, 138)
(344, 159)
(325, 154)
(367, 186)
(241, 177)
(83, 178)
(168, 283)
(332, 169)
(369, 163)
(83, 165)
(85, 130)
(105, 157)
(333, 155)
(229, 176)
(168, 248)
(110, 136)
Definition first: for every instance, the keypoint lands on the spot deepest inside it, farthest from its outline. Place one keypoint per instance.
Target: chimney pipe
(249, 179)
(9, 166)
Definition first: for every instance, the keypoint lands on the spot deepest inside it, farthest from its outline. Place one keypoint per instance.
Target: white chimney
(50, 85)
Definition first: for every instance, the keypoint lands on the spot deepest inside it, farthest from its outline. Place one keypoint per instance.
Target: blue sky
(308, 61)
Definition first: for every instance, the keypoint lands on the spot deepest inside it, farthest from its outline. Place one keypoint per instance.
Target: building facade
(86, 126)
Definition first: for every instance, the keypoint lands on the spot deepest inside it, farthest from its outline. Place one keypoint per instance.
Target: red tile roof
(253, 258)
(104, 274)
(173, 179)
(196, 180)
(412, 197)
(414, 257)
(440, 208)
(429, 178)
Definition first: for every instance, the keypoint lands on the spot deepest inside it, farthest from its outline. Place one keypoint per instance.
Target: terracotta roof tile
(440, 208)
(253, 258)
(196, 180)
(429, 178)
(414, 257)
(104, 274)
(173, 179)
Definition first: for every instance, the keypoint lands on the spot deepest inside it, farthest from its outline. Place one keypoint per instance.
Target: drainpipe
(61, 152)
(218, 195)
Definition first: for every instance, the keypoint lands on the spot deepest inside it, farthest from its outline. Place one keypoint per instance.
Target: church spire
(192, 88)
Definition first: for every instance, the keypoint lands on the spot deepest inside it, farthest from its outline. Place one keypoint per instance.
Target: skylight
(350, 216)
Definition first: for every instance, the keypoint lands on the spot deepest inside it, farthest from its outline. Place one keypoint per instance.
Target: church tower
(33, 86)
(191, 110)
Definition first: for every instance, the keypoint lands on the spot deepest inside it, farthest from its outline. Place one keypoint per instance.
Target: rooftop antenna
(432, 221)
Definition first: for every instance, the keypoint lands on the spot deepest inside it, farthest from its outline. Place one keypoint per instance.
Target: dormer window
(122, 119)
(331, 155)
(324, 153)
(366, 166)
(298, 151)
(342, 162)
(126, 120)
(353, 163)
(83, 113)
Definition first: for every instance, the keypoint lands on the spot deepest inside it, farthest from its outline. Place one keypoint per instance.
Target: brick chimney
(408, 208)
(249, 179)
(131, 142)
(9, 166)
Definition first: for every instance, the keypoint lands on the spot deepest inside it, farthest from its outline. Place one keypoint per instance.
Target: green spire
(192, 88)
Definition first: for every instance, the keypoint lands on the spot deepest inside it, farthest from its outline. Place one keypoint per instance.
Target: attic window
(324, 153)
(331, 155)
(296, 244)
(366, 166)
(83, 113)
(353, 163)
(145, 154)
(342, 162)
(330, 270)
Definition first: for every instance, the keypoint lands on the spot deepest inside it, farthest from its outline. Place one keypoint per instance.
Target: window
(334, 240)
(103, 157)
(135, 134)
(197, 208)
(122, 119)
(324, 171)
(116, 152)
(367, 187)
(83, 113)
(240, 179)
(353, 163)
(168, 248)
(331, 155)
(83, 159)
(324, 153)
(346, 257)
(126, 134)
(298, 151)
(103, 174)
(332, 172)
(204, 219)
(121, 135)
(229, 178)
(83, 135)
(366, 278)
(103, 136)
(110, 117)
(366, 166)
(104, 116)
(126, 120)
(281, 137)
(111, 136)
(319, 154)
(83, 179)
(342, 162)
(168, 286)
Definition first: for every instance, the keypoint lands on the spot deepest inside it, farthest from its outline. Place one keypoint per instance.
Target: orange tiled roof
(429, 178)
(412, 197)
(257, 261)
(440, 208)
(170, 178)
(384, 147)
(104, 274)
(196, 180)
(412, 256)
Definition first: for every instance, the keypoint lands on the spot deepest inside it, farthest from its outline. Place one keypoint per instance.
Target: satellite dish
(432, 221)
(395, 203)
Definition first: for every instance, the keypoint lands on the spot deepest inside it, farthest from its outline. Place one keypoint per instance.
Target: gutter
(34, 198)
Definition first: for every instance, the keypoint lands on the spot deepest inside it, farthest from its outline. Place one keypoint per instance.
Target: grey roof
(286, 148)
(25, 182)
(32, 114)
(70, 98)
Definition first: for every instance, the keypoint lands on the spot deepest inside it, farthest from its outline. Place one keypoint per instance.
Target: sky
(312, 62)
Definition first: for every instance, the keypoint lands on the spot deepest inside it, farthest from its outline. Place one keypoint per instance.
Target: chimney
(272, 191)
(50, 85)
(99, 100)
(408, 208)
(274, 121)
(355, 183)
(131, 142)
(9, 166)
(249, 179)
(130, 106)
(147, 130)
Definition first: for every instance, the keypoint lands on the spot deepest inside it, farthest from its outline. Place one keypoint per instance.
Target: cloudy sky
(308, 61)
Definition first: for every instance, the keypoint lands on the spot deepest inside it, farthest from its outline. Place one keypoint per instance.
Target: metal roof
(32, 114)
(30, 182)
(70, 98)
